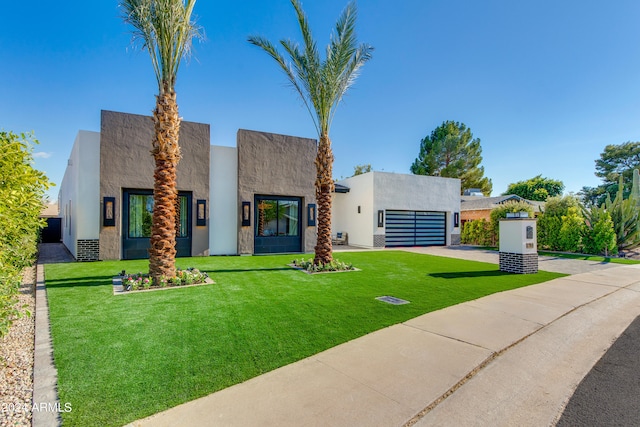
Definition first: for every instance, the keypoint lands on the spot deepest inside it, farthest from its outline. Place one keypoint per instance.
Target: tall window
(141, 214)
(277, 217)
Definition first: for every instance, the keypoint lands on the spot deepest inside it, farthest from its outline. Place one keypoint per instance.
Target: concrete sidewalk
(512, 358)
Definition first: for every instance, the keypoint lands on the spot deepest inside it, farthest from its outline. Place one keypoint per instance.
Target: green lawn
(120, 358)
(597, 258)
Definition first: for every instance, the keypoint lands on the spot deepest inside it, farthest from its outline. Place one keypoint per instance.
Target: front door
(278, 225)
(137, 211)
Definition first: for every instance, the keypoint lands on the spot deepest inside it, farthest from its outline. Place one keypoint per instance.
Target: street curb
(46, 404)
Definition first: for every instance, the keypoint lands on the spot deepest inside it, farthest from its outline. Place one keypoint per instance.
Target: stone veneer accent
(88, 250)
(519, 263)
(455, 239)
(379, 240)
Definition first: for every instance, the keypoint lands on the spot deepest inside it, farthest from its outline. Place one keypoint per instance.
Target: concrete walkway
(512, 358)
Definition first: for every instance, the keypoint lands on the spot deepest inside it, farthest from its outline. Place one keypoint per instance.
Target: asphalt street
(610, 394)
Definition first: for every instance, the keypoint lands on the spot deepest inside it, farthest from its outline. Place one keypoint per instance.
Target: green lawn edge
(121, 358)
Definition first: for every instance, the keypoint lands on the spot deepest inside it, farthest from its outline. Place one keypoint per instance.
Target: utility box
(518, 244)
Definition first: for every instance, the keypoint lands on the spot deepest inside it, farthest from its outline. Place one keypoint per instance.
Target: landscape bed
(121, 359)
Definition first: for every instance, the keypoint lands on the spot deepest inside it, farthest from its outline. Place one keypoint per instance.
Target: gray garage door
(415, 228)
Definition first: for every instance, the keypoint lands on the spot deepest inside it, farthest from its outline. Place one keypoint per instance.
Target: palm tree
(321, 85)
(165, 29)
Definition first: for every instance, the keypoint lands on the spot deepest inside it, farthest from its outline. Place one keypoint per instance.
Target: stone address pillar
(518, 244)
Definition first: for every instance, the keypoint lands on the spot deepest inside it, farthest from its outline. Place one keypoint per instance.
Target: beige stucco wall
(126, 162)
(275, 165)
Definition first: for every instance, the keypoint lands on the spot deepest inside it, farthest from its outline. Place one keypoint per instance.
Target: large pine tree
(452, 152)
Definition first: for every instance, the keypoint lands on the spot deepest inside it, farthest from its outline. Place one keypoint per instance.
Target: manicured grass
(596, 258)
(120, 358)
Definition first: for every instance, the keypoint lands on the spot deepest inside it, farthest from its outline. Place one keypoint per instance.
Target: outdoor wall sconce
(108, 211)
(201, 212)
(456, 219)
(311, 215)
(246, 214)
(358, 209)
(380, 218)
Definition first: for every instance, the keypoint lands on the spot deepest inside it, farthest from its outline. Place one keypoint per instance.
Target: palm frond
(166, 30)
(321, 84)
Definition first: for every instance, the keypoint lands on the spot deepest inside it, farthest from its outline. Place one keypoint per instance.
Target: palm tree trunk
(166, 153)
(324, 188)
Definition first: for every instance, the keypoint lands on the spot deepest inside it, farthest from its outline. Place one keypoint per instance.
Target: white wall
(513, 236)
(417, 193)
(79, 194)
(223, 210)
(345, 216)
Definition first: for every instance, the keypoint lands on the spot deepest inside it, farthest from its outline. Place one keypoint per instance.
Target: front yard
(120, 358)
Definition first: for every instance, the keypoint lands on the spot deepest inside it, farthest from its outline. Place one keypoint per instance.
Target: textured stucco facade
(126, 163)
(356, 212)
(274, 165)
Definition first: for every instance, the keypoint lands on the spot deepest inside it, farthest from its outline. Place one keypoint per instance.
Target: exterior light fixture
(109, 211)
(201, 212)
(456, 219)
(380, 218)
(246, 214)
(311, 215)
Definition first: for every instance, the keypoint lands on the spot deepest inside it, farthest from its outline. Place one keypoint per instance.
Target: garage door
(415, 228)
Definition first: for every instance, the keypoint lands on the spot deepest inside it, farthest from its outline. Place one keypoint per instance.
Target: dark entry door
(278, 225)
(137, 210)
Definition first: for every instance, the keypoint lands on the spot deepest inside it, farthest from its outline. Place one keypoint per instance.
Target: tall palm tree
(321, 85)
(166, 30)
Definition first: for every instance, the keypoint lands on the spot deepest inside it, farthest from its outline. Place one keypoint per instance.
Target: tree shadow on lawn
(104, 280)
(82, 281)
(468, 274)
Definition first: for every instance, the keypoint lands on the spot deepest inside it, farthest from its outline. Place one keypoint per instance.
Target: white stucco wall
(223, 210)
(375, 191)
(79, 192)
(417, 193)
(513, 236)
(345, 216)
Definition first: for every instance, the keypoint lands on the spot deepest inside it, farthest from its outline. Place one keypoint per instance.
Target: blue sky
(544, 84)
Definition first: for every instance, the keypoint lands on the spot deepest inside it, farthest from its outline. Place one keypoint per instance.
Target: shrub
(21, 194)
(334, 265)
(571, 230)
(550, 222)
(477, 232)
(600, 236)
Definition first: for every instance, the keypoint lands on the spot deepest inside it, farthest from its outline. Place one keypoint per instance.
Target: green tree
(360, 169)
(536, 188)
(600, 235)
(451, 151)
(571, 230)
(22, 190)
(321, 84)
(615, 161)
(166, 30)
(550, 222)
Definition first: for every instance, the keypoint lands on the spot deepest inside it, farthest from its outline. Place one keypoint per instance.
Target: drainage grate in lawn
(392, 300)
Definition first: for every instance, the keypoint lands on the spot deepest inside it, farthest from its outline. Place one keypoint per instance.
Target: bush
(21, 195)
(334, 265)
(571, 231)
(600, 237)
(550, 222)
(477, 232)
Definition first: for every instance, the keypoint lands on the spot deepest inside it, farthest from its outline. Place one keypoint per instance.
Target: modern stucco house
(257, 197)
(382, 209)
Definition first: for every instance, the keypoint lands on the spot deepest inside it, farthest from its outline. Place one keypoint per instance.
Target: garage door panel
(415, 228)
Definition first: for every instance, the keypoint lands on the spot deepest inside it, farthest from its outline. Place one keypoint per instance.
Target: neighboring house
(257, 197)
(480, 207)
(384, 209)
